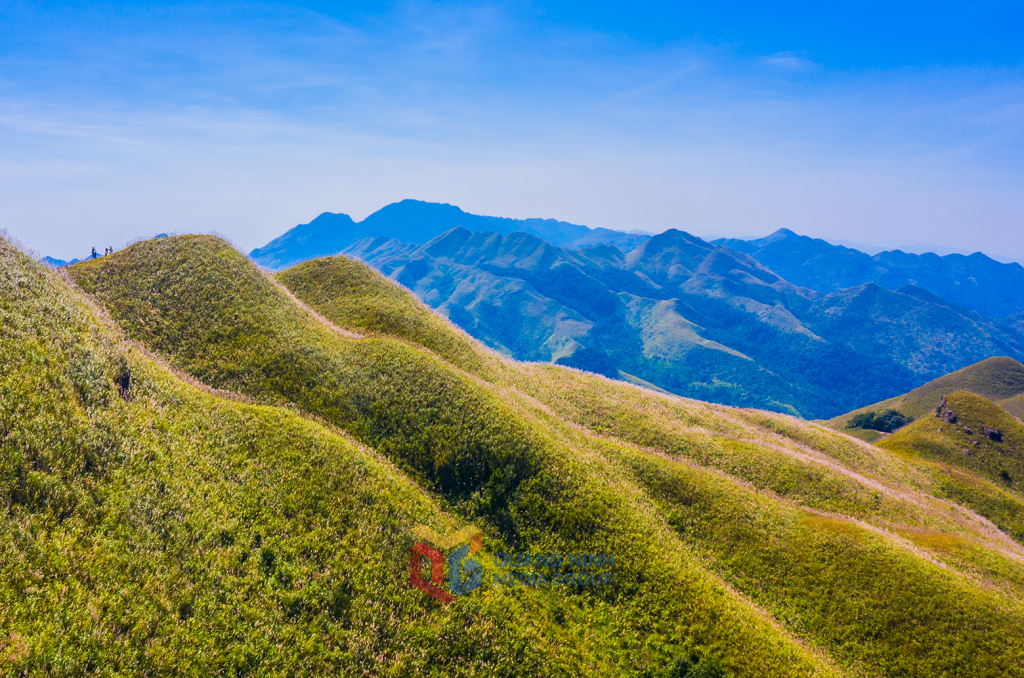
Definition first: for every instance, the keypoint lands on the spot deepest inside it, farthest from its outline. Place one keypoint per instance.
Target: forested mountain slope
(692, 318)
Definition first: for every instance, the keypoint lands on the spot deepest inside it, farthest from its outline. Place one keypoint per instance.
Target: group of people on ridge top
(106, 251)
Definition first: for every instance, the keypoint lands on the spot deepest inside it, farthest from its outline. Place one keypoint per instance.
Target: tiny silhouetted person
(94, 255)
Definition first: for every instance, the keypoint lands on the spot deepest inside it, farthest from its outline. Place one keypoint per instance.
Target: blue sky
(890, 125)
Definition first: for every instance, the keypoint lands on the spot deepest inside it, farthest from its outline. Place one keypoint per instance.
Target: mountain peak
(415, 209)
(975, 281)
(333, 219)
(675, 236)
(782, 234)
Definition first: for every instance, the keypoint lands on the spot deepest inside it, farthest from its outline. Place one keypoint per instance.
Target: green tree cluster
(887, 421)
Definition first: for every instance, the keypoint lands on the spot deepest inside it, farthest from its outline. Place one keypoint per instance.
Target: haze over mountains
(717, 321)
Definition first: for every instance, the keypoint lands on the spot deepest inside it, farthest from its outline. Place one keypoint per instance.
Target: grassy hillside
(152, 527)
(787, 471)
(1014, 405)
(977, 435)
(710, 436)
(818, 482)
(962, 445)
(353, 295)
(770, 545)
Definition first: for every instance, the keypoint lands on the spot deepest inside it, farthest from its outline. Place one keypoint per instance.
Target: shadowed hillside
(323, 284)
(767, 545)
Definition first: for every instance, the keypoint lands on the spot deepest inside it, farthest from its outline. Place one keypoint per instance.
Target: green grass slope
(777, 547)
(1014, 405)
(994, 468)
(769, 451)
(353, 295)
(160, 529)
(654, 422)
(995, 378)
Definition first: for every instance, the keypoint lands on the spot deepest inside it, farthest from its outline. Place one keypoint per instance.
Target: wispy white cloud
(789, 61)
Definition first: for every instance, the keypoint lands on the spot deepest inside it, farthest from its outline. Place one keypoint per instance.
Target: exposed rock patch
(993, 434)
(944, 413)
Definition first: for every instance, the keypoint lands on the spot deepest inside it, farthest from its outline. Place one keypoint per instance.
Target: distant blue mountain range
(692, 318)
(57, 263)
(784, 322)
(413, 221)
(976, 281)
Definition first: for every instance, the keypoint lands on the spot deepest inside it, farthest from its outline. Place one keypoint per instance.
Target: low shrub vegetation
(886, 422)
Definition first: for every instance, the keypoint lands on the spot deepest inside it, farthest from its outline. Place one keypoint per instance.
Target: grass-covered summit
(980, 448)
(1014, 405)
(245, 505)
